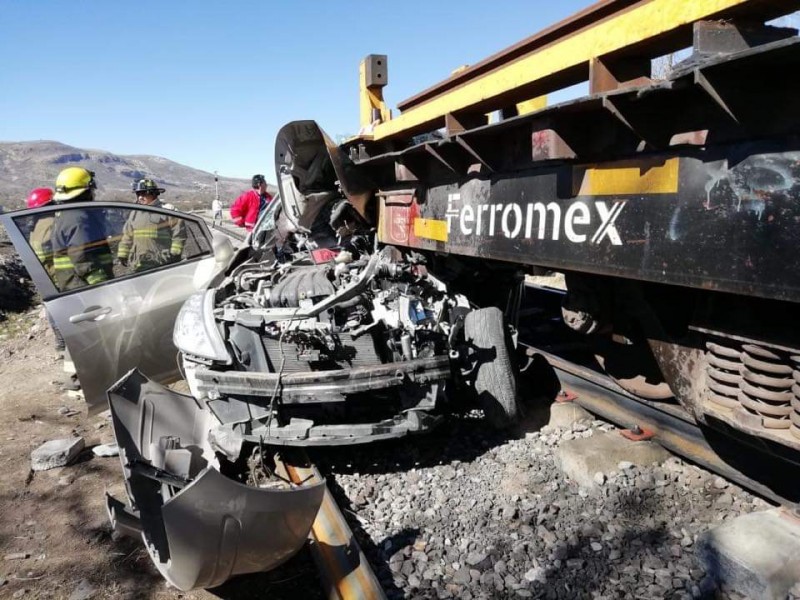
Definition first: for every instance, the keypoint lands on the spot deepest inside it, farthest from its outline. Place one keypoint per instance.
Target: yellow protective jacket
(151, 239)
(41, 241)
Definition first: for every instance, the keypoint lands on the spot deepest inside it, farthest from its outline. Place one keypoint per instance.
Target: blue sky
(208, 84)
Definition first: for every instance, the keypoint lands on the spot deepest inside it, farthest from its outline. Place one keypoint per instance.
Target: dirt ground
(56, 518)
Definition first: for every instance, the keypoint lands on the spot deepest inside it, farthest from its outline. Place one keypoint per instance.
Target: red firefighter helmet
(39, 197)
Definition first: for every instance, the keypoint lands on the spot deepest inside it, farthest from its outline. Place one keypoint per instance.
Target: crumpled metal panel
(200, 527)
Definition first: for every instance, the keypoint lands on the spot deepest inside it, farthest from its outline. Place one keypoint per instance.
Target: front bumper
(309, 386)
(228, 392)
(199, 526)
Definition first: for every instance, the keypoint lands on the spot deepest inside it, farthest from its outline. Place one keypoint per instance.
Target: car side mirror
(223, 247)
(261, 237)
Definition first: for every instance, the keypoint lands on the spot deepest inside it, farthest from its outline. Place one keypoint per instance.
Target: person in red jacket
(248, 206)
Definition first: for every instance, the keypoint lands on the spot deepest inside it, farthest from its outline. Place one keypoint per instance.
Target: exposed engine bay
(364, 322)
(385, 307)
(319, 335)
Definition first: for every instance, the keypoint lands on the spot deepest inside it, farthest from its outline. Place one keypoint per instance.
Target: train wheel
(496, 375)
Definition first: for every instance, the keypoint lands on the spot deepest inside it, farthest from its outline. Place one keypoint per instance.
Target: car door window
(85, 246)
(264, 231)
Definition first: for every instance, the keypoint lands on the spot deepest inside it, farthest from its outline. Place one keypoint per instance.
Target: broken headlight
(196, 332)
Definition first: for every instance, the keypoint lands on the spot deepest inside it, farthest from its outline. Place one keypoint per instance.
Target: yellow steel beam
(637, 24)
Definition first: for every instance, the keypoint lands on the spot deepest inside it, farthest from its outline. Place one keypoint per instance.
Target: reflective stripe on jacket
(81, 254)
(151, 239)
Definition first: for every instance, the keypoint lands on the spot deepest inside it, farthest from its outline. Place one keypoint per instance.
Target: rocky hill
(26, 165)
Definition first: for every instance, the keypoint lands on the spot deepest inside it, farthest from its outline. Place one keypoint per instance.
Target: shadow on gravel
(295, 579)
(373, 551)
(644, 556)
(461, 437)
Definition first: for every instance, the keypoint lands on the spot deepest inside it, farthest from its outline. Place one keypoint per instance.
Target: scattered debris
(16, 290)
(56, 453)
(18, 556)
(106, 450)
(84, 591)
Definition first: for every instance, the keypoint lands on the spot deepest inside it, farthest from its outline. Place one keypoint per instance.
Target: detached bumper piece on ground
(203, 518)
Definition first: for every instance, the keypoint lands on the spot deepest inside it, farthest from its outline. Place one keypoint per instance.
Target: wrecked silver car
(322, 336)
(312, 333)
(203, 516)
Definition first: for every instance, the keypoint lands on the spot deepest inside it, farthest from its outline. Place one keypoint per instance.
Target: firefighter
(81, 255)
(150, 239)
(41, 235)
(42, 244)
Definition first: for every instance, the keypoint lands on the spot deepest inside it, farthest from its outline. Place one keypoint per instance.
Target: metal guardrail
(233, 232)
(345, 572)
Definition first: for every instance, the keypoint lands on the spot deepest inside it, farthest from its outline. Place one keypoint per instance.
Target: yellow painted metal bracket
(640, 22)
(371, 104)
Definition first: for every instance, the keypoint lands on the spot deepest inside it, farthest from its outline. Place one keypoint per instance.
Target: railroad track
(745, 460)
(674, 430)
(233, 232)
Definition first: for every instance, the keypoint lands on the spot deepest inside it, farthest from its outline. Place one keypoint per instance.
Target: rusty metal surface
(345, 572)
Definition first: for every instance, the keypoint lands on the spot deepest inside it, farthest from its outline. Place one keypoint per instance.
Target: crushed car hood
(310, 167)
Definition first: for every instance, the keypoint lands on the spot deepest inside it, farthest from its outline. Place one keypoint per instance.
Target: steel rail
(345, 571)
(237, 235)
(679, 435)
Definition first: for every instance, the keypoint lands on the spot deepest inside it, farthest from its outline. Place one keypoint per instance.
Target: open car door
(113, 277)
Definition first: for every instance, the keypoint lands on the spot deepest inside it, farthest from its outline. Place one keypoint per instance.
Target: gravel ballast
(468, 513)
